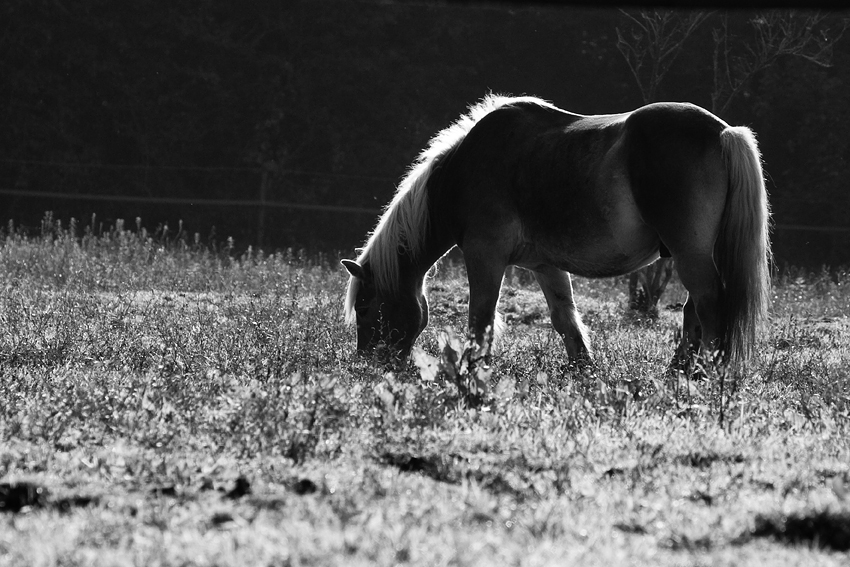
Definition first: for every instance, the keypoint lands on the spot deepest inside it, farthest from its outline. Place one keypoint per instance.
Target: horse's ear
(355, 269)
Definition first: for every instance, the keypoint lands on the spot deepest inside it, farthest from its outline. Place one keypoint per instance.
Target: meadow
(166, 403)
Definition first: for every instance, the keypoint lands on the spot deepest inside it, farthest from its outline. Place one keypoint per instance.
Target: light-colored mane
(404, 222)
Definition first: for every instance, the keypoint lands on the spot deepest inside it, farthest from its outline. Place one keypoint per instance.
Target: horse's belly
(590, 229)
(604, 261)
(600, 251)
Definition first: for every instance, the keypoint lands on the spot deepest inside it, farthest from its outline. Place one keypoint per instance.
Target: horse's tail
(742, 251)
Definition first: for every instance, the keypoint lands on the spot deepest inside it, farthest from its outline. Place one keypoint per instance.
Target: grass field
(162, 404)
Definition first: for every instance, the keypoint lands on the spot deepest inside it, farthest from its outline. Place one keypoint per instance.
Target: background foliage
(327, 102)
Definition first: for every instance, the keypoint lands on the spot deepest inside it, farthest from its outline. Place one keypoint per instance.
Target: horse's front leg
(485, 273)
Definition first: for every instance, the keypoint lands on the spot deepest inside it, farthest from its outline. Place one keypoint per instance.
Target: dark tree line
(326, 102)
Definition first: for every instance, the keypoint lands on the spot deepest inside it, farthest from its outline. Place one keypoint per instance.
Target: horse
(519, 181)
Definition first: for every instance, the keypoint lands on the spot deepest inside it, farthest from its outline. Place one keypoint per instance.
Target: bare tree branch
(776, 34)
(653, 42)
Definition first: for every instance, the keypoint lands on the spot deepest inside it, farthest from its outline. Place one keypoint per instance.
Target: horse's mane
(404, 222)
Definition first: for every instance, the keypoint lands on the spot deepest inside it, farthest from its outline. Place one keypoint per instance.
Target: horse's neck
(412, 269)
(398, 267)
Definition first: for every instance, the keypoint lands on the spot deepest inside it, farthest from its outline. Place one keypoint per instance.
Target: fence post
(261, 209)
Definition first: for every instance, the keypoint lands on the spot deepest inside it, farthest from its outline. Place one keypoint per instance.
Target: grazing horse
(518, 181)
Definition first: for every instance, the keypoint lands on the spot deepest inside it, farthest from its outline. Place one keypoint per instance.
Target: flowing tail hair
(742, 251)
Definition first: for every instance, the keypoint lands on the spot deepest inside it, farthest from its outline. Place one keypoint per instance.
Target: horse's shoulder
(522, 114)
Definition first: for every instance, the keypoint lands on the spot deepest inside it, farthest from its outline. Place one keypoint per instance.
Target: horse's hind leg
(690, 338)
(701, 320)
(558, 289)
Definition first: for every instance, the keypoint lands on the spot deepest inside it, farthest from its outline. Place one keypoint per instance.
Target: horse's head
(385, 320)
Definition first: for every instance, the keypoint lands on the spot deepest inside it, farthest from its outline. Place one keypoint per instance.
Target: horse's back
(539, 180)
(532, 156)
(590, 194)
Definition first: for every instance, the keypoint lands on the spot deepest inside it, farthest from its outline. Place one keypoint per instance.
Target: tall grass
(142, 375)
(130, 298)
